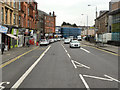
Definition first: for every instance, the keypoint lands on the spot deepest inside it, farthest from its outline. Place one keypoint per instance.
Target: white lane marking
(69, 55)
(73, 64)
(66, 51)
(112, 78)
(2, 87)
(79, 64)
(84, 82)
(85, 50)
(100, 78)
(17, 84)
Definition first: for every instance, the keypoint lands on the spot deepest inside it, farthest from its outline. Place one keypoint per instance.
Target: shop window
(19, 19)
(6, 16)
(2, 15)
(14, 19)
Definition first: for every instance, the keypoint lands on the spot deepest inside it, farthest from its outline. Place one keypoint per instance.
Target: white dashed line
(85, 50)
(17, 84)
(66, 52)
(69, 55)
(84, 82)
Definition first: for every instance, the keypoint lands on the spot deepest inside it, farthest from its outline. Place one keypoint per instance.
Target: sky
(70, 10)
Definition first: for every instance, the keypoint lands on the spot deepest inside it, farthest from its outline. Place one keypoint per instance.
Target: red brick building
(28, 18)
(28, 15)
(50, 23)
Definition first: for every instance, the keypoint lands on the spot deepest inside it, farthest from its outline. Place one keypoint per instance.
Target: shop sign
(3, 29)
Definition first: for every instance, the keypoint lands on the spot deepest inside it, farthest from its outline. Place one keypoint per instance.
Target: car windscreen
(74, 41)
(43, 40)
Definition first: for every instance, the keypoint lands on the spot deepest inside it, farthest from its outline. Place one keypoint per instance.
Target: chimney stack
(53, 13)
(50, 13)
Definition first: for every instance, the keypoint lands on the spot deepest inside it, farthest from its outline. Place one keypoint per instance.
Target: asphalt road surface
(58, 66)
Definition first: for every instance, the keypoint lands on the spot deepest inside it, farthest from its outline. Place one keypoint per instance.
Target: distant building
(115, 13)
(89, 32)
(101, 22)
(70, 31)
(50, 23)
(115, 22)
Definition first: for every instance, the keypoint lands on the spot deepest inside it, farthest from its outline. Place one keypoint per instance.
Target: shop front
(21, 37)
(14, 39)
(3, 36)
(26, 36)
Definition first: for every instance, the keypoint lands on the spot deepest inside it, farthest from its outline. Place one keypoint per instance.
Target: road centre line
(66, 51)
(14, 59)
(100, 78)
(69, 55)
(112, 78)
(22, 78)
(84, 82)
(85, 50)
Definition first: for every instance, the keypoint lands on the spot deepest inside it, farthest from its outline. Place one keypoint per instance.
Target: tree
(74, 25)
(64, 23)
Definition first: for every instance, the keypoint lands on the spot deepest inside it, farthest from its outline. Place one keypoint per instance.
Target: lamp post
(95, 17)
(87, 24)
(96, 9)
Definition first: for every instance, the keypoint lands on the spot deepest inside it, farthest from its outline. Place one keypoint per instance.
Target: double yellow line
(14, 59)
(104, 51)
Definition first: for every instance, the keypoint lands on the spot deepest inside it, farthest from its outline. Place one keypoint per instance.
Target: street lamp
(95, 18)
(96, 9)
(87, 24)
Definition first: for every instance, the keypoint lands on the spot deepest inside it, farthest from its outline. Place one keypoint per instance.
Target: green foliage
(73, 25)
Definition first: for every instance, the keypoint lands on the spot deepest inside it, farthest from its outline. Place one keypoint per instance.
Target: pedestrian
(2, 48)
(27, 43)
(37, 43)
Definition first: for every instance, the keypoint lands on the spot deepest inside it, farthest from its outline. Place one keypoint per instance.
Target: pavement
(110, 48)
(12, 53)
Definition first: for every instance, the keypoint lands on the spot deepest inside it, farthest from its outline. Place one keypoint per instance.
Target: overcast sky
(71, 10)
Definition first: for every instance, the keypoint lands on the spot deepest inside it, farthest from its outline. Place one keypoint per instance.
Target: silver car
(44, 42)
(75, 43)
(67, 41)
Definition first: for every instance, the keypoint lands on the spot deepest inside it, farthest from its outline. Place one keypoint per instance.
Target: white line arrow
(112, 78)
(100, 78)
(79, 64)
(2, 87)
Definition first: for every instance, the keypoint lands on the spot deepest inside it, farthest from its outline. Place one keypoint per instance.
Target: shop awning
(12, 36)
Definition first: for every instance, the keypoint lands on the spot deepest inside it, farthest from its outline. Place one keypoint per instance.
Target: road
(58, 66)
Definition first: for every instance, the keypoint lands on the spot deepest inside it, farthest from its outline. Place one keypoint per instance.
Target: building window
(14, 19)
(2, 15)
(28, 11)
(19, 5)
(10, 17)
(19, 19)
(14, 4)
(28, 23)
(6, 16)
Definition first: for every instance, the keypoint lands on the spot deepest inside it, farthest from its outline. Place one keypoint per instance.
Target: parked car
(58, 39)
(75, 43)
(44, 42)
(51, 40)
(67, 41)
(55, 40)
